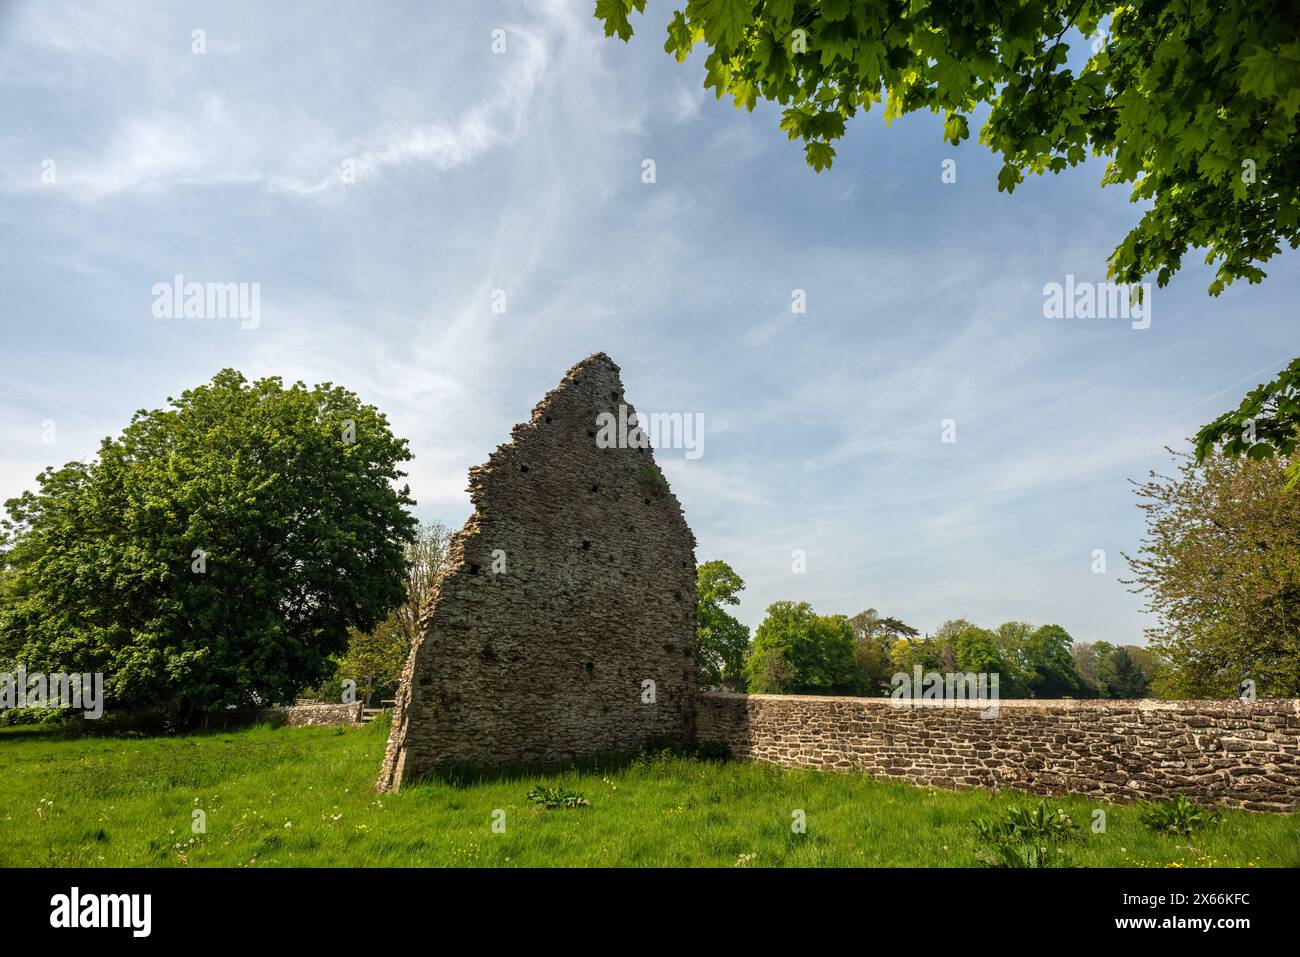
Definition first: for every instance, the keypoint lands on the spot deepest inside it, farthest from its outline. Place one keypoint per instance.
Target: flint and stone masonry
(565, 625)
(1236, 753)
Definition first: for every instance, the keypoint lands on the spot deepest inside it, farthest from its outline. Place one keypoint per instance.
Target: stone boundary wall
(305, 715)
(1240, 754)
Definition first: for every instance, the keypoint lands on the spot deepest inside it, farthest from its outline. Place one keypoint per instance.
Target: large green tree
(797, 651)
(1194, 104)
(874, 636)
(723, 640)
(1220, 567)
(1051, 667)
(1111, 671)
(216, 552)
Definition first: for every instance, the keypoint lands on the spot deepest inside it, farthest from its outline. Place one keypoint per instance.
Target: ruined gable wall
(547, 661)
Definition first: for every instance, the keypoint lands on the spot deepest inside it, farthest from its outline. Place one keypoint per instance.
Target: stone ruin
(565, 625)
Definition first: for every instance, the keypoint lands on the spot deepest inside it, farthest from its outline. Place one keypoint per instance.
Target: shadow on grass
(159, 724)
(465, 774)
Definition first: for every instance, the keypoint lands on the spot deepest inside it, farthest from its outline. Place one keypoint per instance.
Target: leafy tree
(873, 636)
(375, 658)
(1266, 424)
(1110, 671)
(797, 651)
(1052, 671)
(427, 557)
(1150, 663)
(1017, 674)
(966, 647)
(1129, 682)
(723, 641)
(216, 552)
(1193, 103)
(906, 653)
(1105, 669)
(1220, 566)
(1029, 662)
(1084, 656)
(977, 650)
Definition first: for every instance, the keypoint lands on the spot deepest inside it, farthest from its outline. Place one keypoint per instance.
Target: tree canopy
(797, 651)
(1220, 567)
(1266, 425)
(723, 640)
(215, 553)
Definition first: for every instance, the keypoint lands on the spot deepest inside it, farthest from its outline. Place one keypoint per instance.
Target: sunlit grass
(298, 797)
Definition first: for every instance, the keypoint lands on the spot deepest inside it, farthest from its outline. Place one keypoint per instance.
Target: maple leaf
(615, 14)
(819, 155)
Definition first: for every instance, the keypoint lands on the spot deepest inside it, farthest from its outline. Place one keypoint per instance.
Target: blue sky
(522, 171)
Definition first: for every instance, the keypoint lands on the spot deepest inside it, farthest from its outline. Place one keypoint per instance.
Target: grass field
(295, 797)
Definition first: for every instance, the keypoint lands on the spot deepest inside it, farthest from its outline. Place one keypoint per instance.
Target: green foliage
(1220, 568)
(1177, 816)
(797, 651)
(1266, 425)
(1129, 682)
(50, 716)
(931, 654)
(554, 798)
(1021, 854)
(1110, 671)
(1051, 667)
(652, 480)
(723, 640)
(1017, 675)
(375, 658)
(216, 552)
(1025, 837)
(873, 638)
(976, 649)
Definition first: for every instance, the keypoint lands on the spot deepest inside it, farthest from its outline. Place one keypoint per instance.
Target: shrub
(559, 796)
(1025, 837)
(1178, 816)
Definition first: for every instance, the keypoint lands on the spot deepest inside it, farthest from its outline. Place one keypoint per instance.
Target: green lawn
(292, 797)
